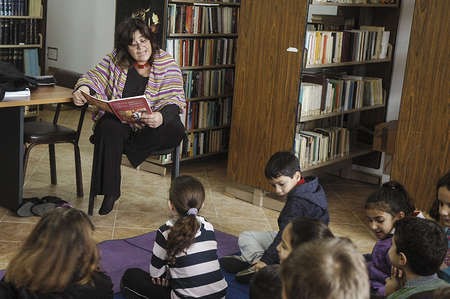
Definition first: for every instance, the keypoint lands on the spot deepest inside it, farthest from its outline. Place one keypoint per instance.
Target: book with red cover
(127, 110)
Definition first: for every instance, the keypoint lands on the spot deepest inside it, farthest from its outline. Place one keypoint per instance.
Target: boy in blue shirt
(305, 197)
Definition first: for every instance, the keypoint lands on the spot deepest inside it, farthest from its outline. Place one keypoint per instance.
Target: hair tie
(192, 211)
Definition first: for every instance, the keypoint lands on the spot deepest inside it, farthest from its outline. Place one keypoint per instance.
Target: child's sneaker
(244, 276)
(233, 263)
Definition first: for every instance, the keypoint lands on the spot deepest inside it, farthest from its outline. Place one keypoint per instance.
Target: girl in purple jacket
(383, 207)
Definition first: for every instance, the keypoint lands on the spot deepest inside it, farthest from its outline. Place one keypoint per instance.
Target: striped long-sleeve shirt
(164, 87)
(196, 272)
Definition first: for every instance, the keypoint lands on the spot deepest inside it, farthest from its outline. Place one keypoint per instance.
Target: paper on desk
(21, 95)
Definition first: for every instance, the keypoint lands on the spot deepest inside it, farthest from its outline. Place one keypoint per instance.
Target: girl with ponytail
(184, 263)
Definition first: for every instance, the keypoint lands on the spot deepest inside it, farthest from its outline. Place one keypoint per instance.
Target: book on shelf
(127, 110)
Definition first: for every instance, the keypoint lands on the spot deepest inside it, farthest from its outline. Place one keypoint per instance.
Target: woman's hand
(152, 120)
(78, 98)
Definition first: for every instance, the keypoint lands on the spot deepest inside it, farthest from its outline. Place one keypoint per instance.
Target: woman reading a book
(136, 67)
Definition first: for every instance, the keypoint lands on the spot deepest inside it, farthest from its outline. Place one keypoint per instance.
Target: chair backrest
(68, 79)
(64, 77)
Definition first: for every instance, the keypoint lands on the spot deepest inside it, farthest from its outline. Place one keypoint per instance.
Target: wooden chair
(51, 133)
(175, 171)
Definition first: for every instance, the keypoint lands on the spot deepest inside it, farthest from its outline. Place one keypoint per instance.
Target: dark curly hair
(282, 163)
(186, 192)
(391, 198)
(307, 229)
(124, 38)
(423, 242)
(443, 182)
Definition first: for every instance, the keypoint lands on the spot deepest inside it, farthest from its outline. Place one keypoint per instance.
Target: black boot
(108, 204)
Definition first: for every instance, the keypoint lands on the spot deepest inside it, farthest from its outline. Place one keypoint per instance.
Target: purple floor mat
(119, 255)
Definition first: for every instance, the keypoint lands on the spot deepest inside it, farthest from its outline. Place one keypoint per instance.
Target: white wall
(400, 55)
(81, 30)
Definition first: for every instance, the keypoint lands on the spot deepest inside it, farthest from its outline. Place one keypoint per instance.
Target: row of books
(207, 114)
(201, 19)
(320, 145)
(198, 52)
(207, 83)
(340, 94)
(19, 31)
(367, 43)
(12, 55)
(205, 142)
(26, 60)
(21, 8)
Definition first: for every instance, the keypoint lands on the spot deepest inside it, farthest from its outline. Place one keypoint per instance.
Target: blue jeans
(253, 244)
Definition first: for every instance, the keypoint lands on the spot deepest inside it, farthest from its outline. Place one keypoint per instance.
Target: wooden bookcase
(202, 37)
(22, 36)
(272, 64)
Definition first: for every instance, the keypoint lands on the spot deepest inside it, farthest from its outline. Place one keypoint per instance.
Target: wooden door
(266, 85)
(423, 138)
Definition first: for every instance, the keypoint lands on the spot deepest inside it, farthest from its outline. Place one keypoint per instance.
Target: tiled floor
(143, 205)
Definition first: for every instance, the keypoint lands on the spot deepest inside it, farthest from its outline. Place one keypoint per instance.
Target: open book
(128, 110)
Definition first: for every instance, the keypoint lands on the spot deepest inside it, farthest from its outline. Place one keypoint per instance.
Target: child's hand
(259, 265)
(160, 281)
(396, 281)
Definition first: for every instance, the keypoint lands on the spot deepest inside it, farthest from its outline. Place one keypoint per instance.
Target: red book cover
(127, 110)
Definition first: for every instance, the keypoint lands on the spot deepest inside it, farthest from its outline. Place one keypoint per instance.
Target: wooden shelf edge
(351, 155)
(332, 114)
(206, 67)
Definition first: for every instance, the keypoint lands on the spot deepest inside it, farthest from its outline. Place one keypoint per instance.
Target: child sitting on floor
(299, 231)
(383, 207)
(441, 212)
(418, 249)
(59, 259)
(184, 263)
(329, 268)
(305, 197)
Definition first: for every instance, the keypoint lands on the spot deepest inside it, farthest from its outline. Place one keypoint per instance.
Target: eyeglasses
(141, 42)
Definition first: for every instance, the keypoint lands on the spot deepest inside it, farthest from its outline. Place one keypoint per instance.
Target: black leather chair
(51, 133)
(175, 171)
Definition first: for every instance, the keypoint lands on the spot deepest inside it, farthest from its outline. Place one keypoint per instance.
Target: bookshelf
(202, 37)
(271, 97)
(22, 36)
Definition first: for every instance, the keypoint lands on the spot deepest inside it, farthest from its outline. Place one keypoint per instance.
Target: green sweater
(422, 284)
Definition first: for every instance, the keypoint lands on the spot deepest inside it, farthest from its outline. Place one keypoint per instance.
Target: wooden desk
(12, 146)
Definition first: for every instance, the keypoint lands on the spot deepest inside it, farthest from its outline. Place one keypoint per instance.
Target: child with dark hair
(184, 263)
(383, 208)
(305, 197)
(299, 231)
(418, 249)
(266, 283)
(441, 212)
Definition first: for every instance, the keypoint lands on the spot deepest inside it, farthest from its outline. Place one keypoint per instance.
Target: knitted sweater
(165, 84)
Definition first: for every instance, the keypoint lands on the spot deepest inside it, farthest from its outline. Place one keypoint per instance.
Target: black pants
(113, 138)
(137, 284)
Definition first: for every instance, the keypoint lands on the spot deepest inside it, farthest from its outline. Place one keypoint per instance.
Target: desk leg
(11, 157)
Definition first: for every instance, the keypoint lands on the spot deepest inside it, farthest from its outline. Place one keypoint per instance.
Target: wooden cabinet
(266, 85)
(422, 151)
(273, 62)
